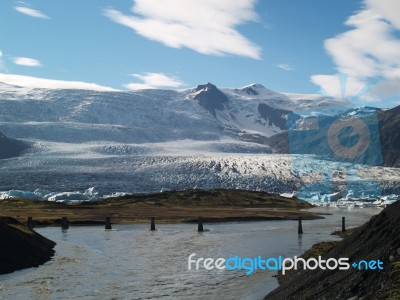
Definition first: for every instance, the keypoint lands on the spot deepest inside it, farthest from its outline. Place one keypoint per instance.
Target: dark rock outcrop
(210, 97)
(21, 247)
(389, 130)
(277, 117)
(251, 90)
(377, 239)
(10, 147)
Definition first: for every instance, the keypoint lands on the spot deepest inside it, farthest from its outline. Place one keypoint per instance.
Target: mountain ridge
(202, 113)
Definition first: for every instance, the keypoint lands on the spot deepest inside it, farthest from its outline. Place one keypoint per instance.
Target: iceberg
(90, 194)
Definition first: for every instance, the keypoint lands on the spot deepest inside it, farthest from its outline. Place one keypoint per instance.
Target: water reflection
(135, 263)
(64, 234)
(300, 241)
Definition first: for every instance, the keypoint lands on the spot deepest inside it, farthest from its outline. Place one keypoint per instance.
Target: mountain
(364, 135)
(211, 98)
(389, 125)
(202, 113)
(302, 104)
(151, 140)
(360, 112)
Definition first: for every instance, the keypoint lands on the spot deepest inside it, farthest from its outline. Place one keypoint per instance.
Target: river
(132, 262)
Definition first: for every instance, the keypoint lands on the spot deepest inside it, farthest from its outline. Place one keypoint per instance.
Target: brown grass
(168, 207)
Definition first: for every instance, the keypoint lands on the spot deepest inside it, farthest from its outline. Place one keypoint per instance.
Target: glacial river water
(131, 262)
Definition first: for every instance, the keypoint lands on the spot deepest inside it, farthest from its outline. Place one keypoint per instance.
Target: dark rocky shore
(377, 239)
(21, 247)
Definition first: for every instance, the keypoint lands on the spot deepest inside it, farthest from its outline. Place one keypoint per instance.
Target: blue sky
(286, 45)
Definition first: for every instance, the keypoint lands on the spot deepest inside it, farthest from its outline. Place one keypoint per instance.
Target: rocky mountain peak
(210, 97)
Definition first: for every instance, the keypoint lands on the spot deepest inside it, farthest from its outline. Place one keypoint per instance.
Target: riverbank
(21, 247)
(379, 239)
(167, 207)
(131, 260)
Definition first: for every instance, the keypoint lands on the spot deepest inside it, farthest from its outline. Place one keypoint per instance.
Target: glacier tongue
(77, 170)
(149, 140)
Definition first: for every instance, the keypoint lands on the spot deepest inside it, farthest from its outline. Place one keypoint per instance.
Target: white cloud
(285, 67)
(154, 80)
(370, 50)
(34, 82)
(26, 61)
(339, 87)
(387, 8)
(207, 26)
(31, 12)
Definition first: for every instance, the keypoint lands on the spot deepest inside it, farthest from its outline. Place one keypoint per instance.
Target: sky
(340, 48)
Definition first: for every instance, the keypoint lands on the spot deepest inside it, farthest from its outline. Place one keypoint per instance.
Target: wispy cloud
(35, 82)
(207, 26)
(286, 67)
(370, 50)
(31, 12)
(27, 62)
(154, 80)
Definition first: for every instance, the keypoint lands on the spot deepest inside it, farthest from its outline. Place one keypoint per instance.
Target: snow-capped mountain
(147, 140)
(246, 111)
(202, 113)
(360, 112)
(302, 104)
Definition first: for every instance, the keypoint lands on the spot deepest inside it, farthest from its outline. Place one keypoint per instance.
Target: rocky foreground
(21, 247)
(377, 239)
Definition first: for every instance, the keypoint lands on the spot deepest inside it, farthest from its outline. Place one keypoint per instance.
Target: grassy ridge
(168, 207)
(210, 198)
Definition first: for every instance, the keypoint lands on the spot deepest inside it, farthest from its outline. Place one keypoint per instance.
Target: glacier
(152, 140)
